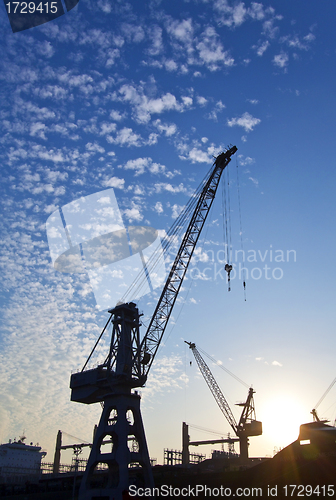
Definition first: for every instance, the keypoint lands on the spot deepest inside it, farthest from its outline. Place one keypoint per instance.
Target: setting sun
(282, 416)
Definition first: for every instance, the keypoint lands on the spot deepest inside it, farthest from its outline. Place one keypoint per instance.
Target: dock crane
(127, 365)
(247, 425)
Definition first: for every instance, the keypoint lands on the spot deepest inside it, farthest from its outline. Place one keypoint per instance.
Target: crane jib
(160, 318)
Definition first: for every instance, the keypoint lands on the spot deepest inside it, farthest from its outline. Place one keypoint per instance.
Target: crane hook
(228, 269)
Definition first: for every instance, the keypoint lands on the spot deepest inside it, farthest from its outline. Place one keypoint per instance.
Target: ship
(19, 461)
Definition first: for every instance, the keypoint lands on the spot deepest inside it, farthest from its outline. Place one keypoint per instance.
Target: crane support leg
(109, 472)
(243, 448)
(185, 444)
(57, 457)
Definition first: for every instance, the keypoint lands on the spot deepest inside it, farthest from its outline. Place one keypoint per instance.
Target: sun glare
(281, 417)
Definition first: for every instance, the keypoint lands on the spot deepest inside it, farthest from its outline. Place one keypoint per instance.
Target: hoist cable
(241, 230)
(326, 392)
(191, 282)
(223, 367)
(226, 237)
(141, 281)
(74, 437)
(223, 220)
(204, 429)
(174, 232)
(229, 208)
(97, 342)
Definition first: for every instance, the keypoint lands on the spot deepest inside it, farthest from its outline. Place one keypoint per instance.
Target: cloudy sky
(139, 97)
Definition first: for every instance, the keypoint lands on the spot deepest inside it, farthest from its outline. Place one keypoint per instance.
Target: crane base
(124, 461)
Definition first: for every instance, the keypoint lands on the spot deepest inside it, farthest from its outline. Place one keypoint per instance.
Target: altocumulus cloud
(247, 121)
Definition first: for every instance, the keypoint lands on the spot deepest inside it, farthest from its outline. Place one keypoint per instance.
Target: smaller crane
(247, 425)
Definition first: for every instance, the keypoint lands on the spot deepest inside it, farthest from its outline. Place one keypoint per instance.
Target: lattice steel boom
(214, 387)
(160, 318)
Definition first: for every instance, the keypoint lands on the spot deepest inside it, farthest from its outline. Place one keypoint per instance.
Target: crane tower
(126, 368)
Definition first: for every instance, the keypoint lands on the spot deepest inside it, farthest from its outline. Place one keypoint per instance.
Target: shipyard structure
(310, 462)
(119, 460)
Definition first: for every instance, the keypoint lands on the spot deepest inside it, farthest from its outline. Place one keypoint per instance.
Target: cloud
(45, 49)
(294, 42)
(213, 115)
(155, 34)
(268, 26)
(105, 6)
(38, 129)
(114, 182)
(202, 101)
(133, 33)
(144, 107)
(256, 11)
(196, 152)
(107, 128)
(211, 51)
(133, 214)
(163, 186)
(116, 116)
(167, 375)
(255, 181)
(261, 49)
(125, 137)
(167, 129)
(245, 161)
(181, 30)
(95, 147)
(247, 121)
(281, 60)
(198, 156)
(48, 341)
(191, 47)
(232, 16)
(141, 165)
(158, 207)
(170, 65)
(276, 363)
(176, 210)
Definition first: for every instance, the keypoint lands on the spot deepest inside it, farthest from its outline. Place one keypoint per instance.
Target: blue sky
(138, 97)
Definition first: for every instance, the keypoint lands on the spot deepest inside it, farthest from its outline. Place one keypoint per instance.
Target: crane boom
(214, 387)
(160, 318)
